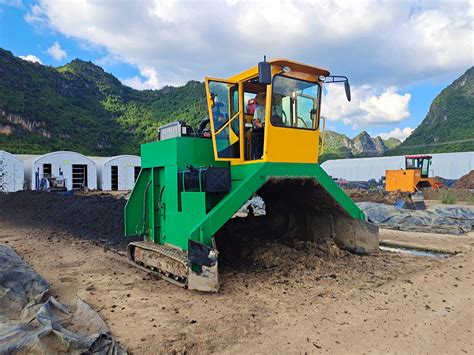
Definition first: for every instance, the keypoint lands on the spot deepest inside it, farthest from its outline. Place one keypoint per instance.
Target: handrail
(321, 151)
(226, 124)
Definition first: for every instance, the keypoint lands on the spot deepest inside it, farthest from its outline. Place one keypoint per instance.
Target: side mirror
(264, 72)
(347, 87)
(340, 79)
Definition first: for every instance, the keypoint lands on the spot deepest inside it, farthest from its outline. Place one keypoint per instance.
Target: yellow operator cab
(269, 113)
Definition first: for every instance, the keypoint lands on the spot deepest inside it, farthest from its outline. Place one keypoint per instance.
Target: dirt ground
(290, 298)
(461, 194)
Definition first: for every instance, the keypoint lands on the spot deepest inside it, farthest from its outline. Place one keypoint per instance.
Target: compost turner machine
(265, 136)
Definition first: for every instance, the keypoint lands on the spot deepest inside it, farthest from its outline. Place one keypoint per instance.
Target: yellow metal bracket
(322, 134)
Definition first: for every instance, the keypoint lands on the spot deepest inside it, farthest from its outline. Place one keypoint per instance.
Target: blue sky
(398, 55)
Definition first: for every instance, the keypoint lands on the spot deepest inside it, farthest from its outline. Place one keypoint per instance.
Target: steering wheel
(304, 122)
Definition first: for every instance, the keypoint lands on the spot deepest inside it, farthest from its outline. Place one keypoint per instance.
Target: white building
(117, 173)
(12, 174)
(77, 169)
(445, 165)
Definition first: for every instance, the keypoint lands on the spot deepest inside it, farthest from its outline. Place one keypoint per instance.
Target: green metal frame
(160, 213)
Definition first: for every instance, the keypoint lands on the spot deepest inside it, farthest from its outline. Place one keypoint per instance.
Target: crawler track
(164, 261)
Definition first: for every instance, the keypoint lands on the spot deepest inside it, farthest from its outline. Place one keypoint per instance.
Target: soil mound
(388, 198)
(466, 182)
(94, 217)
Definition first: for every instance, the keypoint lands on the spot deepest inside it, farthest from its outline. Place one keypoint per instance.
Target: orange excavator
(414, 177)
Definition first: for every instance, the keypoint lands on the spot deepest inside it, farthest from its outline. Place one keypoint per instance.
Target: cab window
(425, 168)
(295, 103)
(225, 118)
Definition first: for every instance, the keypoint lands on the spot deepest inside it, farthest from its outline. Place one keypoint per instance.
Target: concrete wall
(126, 171)
(446, 165)
(61, 162)
(12, 174)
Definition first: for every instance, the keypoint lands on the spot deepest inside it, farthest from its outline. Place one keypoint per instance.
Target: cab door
(225, 113)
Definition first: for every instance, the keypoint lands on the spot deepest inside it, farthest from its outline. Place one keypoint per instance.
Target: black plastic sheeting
(29, 325)
(21, 288)
(439, 219)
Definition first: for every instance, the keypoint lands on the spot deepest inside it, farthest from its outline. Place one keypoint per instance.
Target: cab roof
(281, 62)
(418, 156)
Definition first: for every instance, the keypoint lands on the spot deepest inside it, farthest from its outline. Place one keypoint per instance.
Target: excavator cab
(413, 178)
(419, 162)
(291, 130)
(191, 186)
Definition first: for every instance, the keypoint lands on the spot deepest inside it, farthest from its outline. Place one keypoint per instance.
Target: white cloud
(56, 51)
(148, 79)
(398, 133)
(31, 58)
(383, 43)
(368, 106)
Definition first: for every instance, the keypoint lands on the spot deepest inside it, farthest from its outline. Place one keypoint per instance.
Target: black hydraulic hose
(203, 124)
(160, 200)
(142, 232)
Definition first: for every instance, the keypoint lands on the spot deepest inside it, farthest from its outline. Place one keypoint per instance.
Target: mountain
(392, 143)
(449, 124)
(338, 145)
(80, 107)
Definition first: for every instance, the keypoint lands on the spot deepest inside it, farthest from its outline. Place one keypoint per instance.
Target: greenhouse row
(69, 170)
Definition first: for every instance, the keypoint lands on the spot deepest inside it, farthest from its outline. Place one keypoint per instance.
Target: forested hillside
(449, 124)
(80, 107)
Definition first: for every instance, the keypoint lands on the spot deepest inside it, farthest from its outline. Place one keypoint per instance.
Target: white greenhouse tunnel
(445, 165)
(117, 173)
(12, 174)
(78, 170)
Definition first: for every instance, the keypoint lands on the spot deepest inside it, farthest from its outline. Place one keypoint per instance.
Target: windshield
(295, 103)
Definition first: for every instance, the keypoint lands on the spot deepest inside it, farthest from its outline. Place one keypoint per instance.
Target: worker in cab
(259, 112)
(258, 121)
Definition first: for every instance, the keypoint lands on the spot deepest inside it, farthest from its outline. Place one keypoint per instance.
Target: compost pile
(389, 198)
(94, 217)
(248, 243)
(466, 182)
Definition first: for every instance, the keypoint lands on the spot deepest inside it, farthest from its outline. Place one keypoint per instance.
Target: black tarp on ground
(28, 325)
(21, 288)
(436, 219)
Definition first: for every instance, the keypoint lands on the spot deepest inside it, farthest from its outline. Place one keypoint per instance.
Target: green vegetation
(336, 145)
(470, 200)
(82, 108)
(447, 198)
(449, 125)
(392, 143)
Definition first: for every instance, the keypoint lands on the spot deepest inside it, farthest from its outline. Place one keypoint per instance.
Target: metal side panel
(246, 180)
(133, 211)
